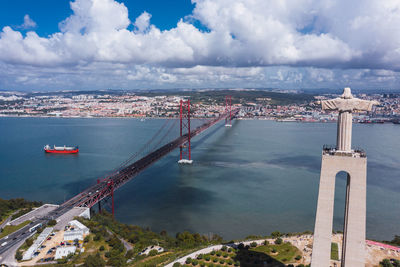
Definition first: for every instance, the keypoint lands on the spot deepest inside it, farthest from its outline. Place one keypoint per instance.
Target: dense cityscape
(199, 133)
(137, 105)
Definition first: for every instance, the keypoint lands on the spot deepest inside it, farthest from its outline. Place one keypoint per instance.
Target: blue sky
(48, 13)
(101, 44)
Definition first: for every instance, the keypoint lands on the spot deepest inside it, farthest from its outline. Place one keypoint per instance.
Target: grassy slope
(286, 252)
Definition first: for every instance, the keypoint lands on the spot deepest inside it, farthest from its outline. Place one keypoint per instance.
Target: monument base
(353, 249)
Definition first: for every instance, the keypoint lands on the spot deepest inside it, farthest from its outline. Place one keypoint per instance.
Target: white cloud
(309, 34)
(28, 23)
(142, 23)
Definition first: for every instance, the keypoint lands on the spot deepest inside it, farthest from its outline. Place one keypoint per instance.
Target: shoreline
(194, 118)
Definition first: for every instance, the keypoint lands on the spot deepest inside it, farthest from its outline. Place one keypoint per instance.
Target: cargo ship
(61, 149)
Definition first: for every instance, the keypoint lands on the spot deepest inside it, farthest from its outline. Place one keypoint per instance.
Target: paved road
(127, 245)
(6, 221)
(8, 257)
(11, 243)
(34, 214)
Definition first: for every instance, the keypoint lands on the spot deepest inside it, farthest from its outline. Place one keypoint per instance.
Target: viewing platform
(354, 153)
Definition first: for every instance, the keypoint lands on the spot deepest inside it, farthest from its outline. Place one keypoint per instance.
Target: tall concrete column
(344, 131)
(353, 248)
(321, 253)
(354, 252)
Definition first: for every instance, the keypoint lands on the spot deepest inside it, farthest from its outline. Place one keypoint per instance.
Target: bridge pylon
(111, 185)
(99, 203)
(184, 116)
(228, 108)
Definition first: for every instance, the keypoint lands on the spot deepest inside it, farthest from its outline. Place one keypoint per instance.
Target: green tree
(18, 255)
(276, 234)
(129, 254)
(52, 223)
(153, 252)
(396, 240)
(29, 242)
(94, 261)
(177, 264)
(101, 248)
(97, 237)
(386, 263)
(117, 261)
(278, 241)
(62, 260)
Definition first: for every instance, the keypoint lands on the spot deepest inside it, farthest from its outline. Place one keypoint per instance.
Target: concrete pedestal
(353, 250)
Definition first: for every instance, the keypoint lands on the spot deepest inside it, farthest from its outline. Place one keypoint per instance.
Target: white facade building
(38, 242)
(77, 231)
(64, 252)
(80, 226)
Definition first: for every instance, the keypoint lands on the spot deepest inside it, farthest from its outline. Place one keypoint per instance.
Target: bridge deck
(97, 192)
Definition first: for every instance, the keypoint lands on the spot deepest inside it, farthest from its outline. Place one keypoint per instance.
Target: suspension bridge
(152, 151)
(130, 168)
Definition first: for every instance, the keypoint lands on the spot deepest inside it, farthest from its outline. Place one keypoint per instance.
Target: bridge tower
(99, 203)
(184, 115)
(228, 108)
(111, 186)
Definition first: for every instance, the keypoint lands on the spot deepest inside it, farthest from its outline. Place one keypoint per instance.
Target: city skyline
(198, 44)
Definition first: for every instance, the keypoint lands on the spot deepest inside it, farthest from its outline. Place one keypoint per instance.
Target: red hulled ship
(61, 149)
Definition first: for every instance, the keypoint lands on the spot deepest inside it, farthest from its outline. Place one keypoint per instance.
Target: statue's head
(347, 93)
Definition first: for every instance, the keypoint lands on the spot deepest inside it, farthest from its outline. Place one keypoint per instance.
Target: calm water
(253, 178)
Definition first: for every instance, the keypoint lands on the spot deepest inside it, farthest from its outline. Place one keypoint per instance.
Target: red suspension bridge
(129, 169)
(151, 152)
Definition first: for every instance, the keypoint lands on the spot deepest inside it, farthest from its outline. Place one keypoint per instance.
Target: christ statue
(346, 104)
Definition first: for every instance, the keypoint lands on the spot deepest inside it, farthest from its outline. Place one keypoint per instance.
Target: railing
(331, 150)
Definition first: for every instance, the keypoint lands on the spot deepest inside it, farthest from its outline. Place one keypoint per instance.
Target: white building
(77, 231)
(64, 252)
(38, 242)
(73, 235)
(77, 225)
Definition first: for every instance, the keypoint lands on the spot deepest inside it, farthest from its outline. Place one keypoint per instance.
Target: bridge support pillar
(111, 184)
(185, 156)
(99, 203)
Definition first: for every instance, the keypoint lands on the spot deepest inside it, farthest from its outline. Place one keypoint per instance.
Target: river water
(253, 178)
